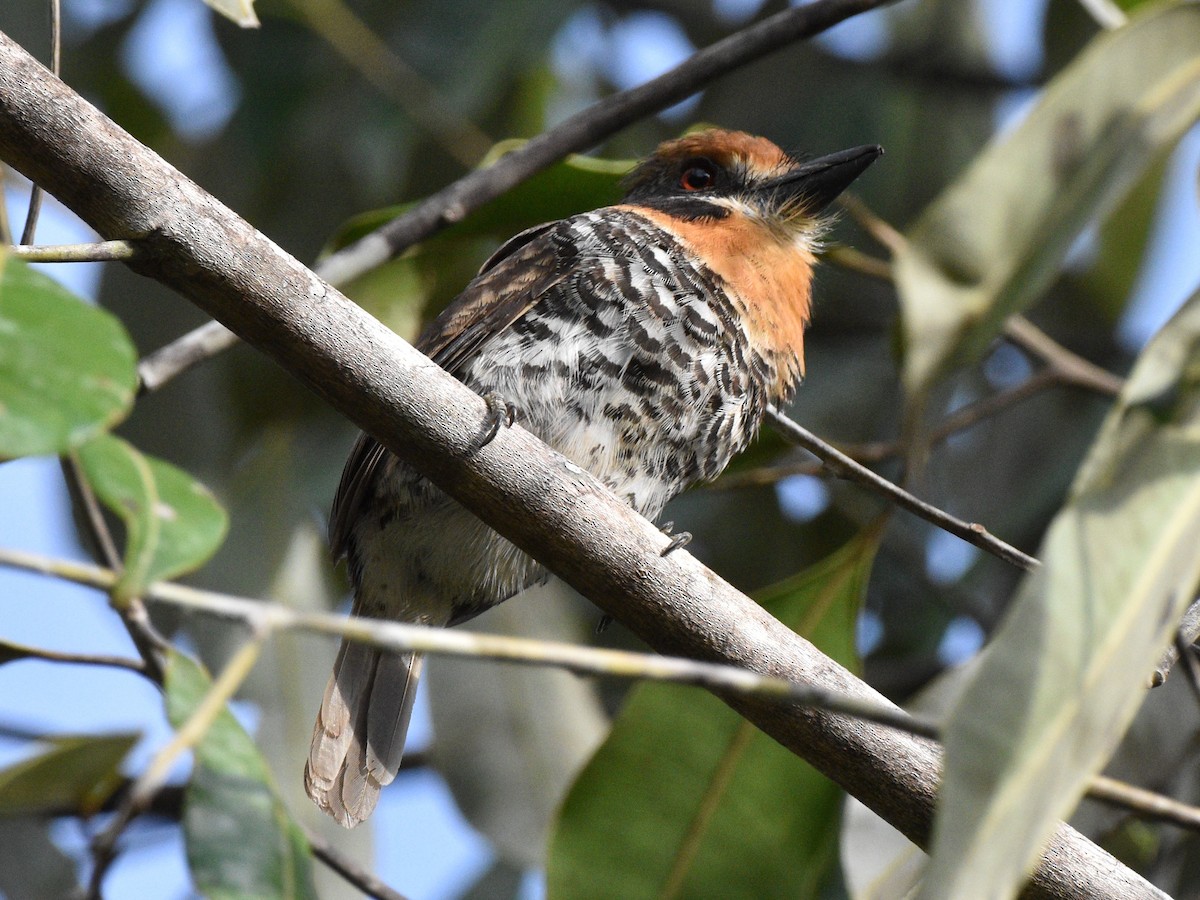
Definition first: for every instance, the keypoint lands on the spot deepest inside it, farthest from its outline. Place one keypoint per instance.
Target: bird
(644, 341)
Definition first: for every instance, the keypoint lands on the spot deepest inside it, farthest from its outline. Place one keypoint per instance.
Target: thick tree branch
(545, 504)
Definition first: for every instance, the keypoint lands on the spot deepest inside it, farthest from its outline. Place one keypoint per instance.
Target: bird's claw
(500, 414)
(603, 623)
(677, 540)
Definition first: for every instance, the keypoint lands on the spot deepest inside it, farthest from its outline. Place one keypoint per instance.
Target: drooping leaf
(74, 774)
(173, 524)
(991, 242)
(67, 369)
(241, 841)
(687, 799)
(1069, 667)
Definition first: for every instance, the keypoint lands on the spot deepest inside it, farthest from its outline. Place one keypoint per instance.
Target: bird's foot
(677, 540)
(500, 414)
(603, 623)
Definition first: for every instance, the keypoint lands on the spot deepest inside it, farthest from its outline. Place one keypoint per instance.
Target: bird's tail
(358, 738)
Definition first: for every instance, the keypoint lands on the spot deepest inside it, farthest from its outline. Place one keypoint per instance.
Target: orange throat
(767, 275)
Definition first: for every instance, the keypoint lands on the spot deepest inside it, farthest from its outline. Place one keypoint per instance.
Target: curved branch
(546, 505)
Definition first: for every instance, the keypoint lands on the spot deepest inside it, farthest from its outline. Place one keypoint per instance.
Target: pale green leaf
(1069, 666)
(991, 243)
(241, 841)
(67, 369)
(173, 524)
(75, 774)
(687, 799)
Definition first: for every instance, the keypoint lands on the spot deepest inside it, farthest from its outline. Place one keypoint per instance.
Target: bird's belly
(645, 431)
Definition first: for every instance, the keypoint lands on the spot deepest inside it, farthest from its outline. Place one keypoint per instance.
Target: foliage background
(299, 137)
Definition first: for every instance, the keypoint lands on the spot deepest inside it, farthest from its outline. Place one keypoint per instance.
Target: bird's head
(714, 174)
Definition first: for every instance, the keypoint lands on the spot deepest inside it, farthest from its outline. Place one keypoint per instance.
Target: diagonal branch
(544, 504)
(845, 467)
(266, 618)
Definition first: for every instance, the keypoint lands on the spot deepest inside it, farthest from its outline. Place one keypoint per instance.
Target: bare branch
(843, 466)
(177, 357)
(544, 504)
(362, 879)
(11, 650)
(1071, 367)
(266, 618)
(102, 251)
(1146, 804)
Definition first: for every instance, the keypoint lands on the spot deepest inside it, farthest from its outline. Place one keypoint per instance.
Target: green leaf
(240, 12)
(1069, 666)
(990, 244)
(687, 799)
(75, 773)
(173, 524)
(241, 841)
(67, 369)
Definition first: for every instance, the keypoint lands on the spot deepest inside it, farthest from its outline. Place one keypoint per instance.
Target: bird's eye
(698, 175)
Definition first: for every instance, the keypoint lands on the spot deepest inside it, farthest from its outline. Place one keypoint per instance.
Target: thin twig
(270, 617)
(843, 466)
(857, 261)
(1147, 804)
(1072, 368)
(11, 650)
(875, 225)
(881, 451)
(578, 133)
(97, 251)
(359, 877)
(177, 357)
